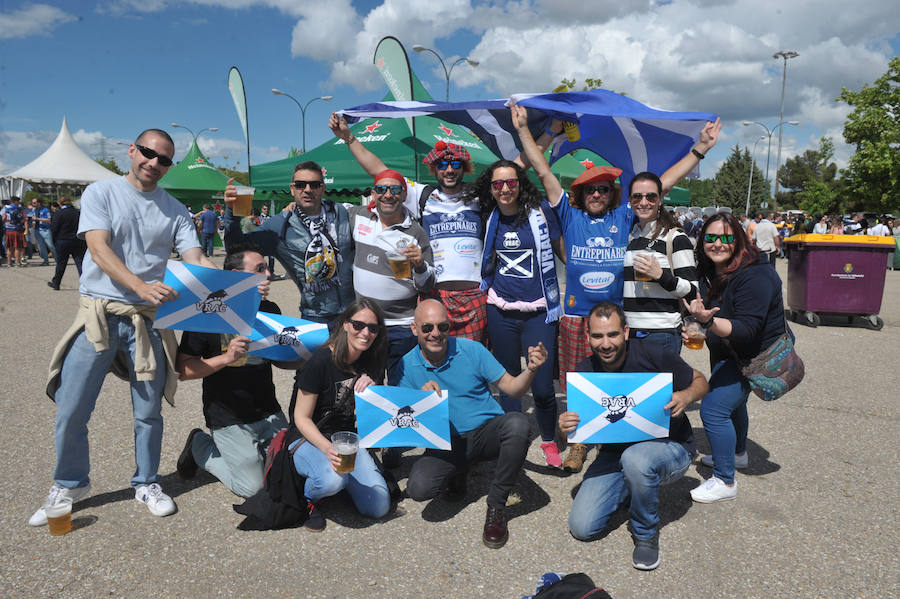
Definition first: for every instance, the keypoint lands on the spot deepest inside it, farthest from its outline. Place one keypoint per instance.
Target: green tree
(733, 178)
(110, 164)
(702, 192)
(809, 179)
(873, 174)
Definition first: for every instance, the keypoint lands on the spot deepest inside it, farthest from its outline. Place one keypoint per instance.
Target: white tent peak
(63, 162)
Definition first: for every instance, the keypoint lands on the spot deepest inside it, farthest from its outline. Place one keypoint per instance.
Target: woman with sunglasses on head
(741, 308)
(352, 359)
(659, 267)
(519, 275)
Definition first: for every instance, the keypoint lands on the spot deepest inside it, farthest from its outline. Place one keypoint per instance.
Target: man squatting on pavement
(239, 402)
(130, 226)
(633, 470)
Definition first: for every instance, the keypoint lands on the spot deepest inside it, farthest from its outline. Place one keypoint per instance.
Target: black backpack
(573, 586)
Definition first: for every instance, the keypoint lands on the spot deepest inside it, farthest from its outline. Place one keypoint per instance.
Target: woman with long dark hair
(659, 267)
(519, 274)
(352, 359)
(743, 313)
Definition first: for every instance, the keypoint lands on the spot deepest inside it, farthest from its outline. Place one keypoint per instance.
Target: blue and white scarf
(541, 234)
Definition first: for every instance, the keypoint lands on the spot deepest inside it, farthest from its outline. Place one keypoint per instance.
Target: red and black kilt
(467, 309)
(572, 345)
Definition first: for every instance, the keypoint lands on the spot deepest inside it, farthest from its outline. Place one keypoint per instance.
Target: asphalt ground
(815, 516)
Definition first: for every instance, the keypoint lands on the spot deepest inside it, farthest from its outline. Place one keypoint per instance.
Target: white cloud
(32, 19)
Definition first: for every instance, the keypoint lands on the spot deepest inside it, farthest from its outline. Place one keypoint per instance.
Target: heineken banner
(236, 87)
(393, 64)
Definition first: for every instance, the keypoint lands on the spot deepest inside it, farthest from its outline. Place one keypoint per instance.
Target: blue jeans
(400, 341)
(365, 484)
(206, 241)
(638, 472)
(670, 341)
(82, 377)
(724, 414)
(44, 243)
(511, 334)
(232, 453)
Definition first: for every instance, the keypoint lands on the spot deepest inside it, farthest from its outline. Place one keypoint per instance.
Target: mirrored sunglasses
(151, 154)
(710, 238)
(650, 197)
(499, 183)
(383, 189)
(443, 164)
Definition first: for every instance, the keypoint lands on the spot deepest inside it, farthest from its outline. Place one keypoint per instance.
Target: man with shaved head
(479, 429)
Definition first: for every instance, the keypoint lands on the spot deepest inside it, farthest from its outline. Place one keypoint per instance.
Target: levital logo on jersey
(214, 302)
(466, 247)
(596, 280)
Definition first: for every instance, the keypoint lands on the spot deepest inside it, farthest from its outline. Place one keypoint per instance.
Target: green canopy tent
(194, 180)
(678, 196)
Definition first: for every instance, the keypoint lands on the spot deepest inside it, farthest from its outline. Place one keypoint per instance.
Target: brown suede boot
(575, 458)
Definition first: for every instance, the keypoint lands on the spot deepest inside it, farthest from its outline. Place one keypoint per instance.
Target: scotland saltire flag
(631, 136)
(209, 300)
(284, 338)
(619, 407)
(401, 417)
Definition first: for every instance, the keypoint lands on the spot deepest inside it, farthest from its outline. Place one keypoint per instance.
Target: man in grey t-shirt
(129, 225)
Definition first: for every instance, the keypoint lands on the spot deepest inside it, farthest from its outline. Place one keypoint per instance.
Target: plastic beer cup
(244, 202)
(695, 333)
(640, 276)
(346, 444)
(59, 518)
(399, 265)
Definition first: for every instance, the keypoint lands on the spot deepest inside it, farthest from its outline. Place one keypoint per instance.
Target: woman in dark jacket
(743, 314)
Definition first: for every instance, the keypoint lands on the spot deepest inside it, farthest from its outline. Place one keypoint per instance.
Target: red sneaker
(551, 454)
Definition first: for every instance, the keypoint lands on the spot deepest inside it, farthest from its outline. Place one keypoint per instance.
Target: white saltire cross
(631, 417)
(419, 408)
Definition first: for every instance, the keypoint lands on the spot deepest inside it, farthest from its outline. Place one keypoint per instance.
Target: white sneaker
(741, 461)
(57, 494)
(714, 489)
(156, 501)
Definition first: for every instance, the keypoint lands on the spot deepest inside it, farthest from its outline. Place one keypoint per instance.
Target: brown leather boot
(495, 531)
(575, 458)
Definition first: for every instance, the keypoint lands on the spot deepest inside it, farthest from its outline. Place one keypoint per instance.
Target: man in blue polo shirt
(479, 429)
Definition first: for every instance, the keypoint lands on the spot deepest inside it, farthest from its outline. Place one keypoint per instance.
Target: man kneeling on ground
(635, 470)
(238, 396)
(479, 429)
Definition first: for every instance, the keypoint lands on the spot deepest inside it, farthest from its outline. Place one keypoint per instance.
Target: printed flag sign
(619, 407)
(284, 338)
(400, 417)
(209, 300)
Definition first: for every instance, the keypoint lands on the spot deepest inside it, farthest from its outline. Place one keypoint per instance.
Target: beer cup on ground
(244, 202)
(695, 333)
(59, 517)
(346, 444)
(399, 265)
(640, 276)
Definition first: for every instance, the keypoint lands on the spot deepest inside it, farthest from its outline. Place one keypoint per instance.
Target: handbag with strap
(774, 371)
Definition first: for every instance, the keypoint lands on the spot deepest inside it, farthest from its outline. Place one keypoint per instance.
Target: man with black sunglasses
(452, 221)
(130, 225)
(479, 428)
(313, 243)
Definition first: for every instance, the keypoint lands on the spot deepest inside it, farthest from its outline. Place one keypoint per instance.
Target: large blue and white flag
(401, 417)
(619, 407)
(631, 136)
(209, 300)
(285, 338)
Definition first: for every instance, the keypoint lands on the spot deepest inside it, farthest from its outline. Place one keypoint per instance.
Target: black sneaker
(52, 285)
(315, 519)
(646, 553)
(186, 465)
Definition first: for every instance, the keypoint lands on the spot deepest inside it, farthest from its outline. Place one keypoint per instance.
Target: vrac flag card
(284, 338)
(619, 407)
(400, 417)
(209, 300)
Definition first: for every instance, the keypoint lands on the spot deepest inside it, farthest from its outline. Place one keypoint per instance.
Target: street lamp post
(750, 184)
(769, 132)
(177, 126)
(447, 72)
(302, 108)
(785, 54)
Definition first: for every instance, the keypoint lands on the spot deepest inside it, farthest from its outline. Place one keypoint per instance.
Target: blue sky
(115, 67)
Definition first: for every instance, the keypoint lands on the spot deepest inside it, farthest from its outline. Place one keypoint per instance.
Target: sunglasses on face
(650, 197)
(443, 164)
(301, 185)
(711, 238)
(151, 154)
(590, 189)
(499, 183)
(443, 327)
(383, 189)
(359, 325)
(261, 267)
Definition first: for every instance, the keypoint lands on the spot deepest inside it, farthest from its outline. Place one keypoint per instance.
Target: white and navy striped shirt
(656, 305)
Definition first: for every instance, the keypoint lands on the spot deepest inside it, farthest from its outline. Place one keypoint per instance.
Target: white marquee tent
(64, 162)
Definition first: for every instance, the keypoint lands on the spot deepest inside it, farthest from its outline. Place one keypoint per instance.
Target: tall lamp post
(302, 108)
(177, 126)
(769, 132)
(750, 184)
(785, 54)
(447, 72)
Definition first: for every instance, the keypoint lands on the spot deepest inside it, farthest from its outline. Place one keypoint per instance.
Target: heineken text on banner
(209, 300)
(284, 338)
(619, 407)
(400, 417)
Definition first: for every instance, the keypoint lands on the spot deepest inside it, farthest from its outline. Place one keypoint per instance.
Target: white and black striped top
(656, 305)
